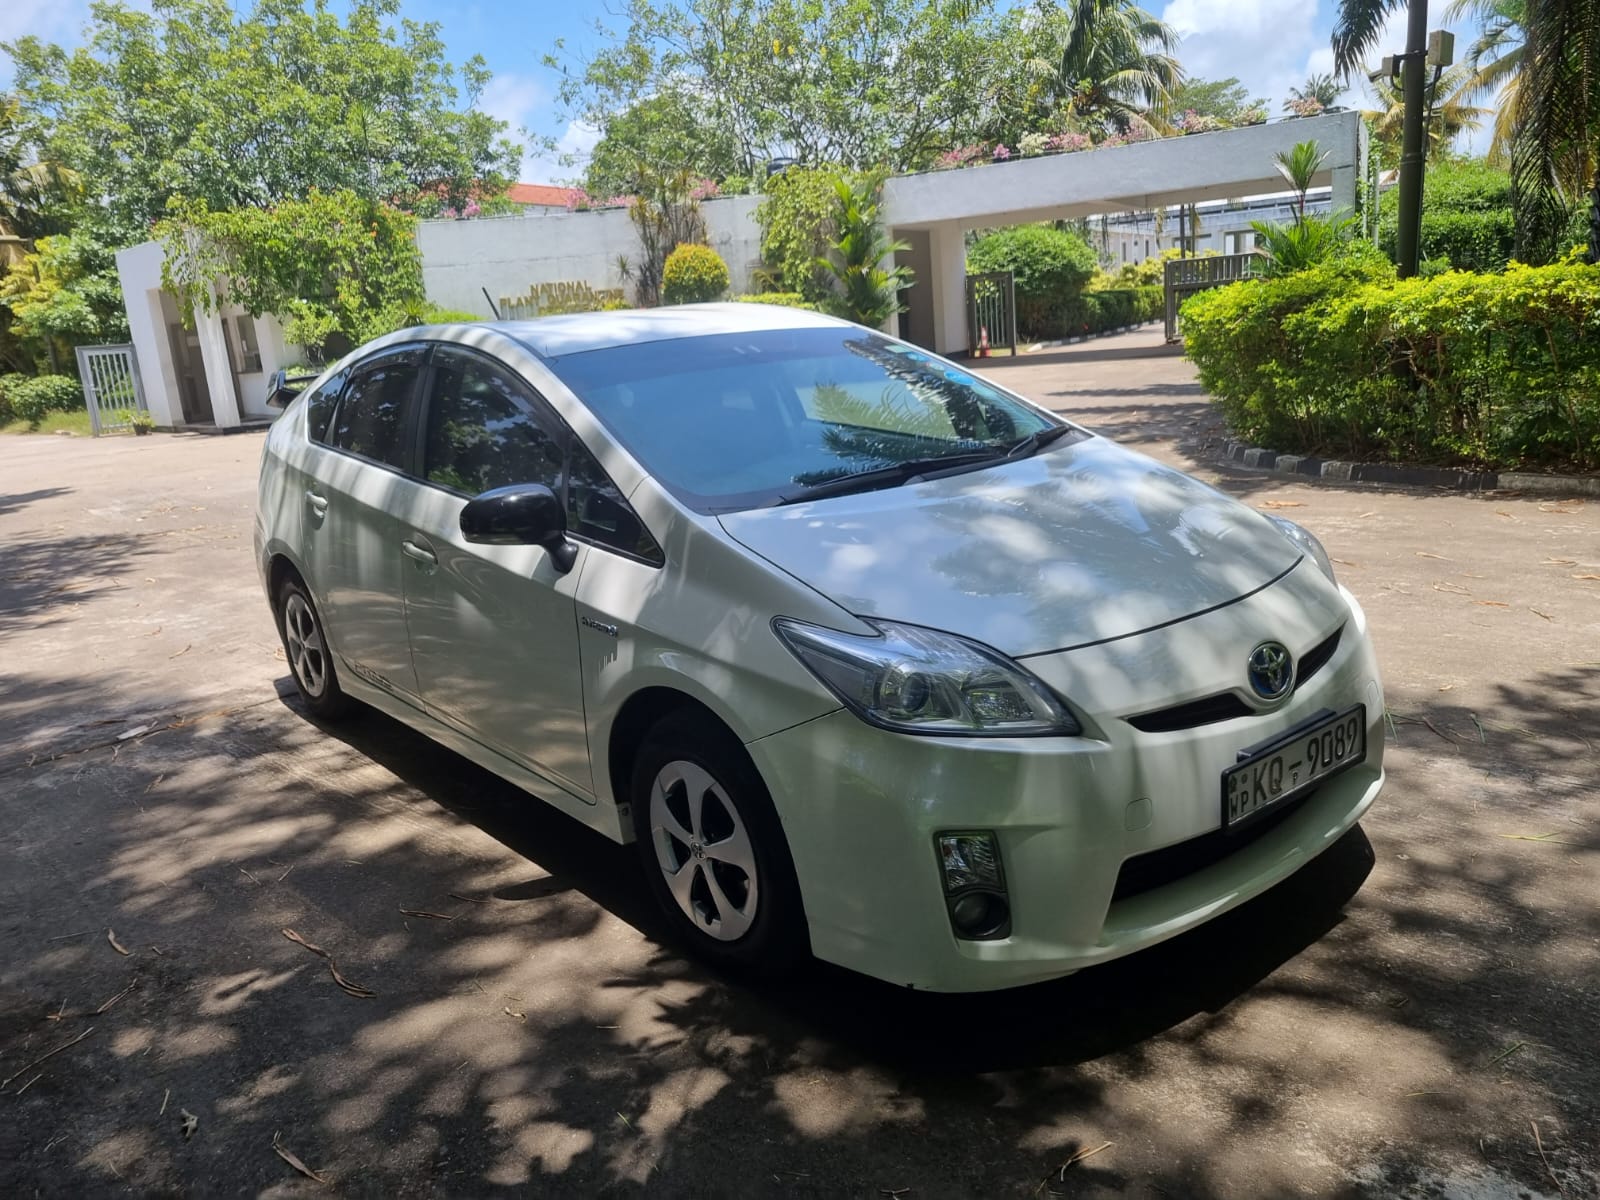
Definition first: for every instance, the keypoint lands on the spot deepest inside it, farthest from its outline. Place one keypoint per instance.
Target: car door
(494, 628)
(354, 540)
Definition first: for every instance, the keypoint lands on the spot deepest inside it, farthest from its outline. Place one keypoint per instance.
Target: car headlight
(918, 680)
(1307, 541)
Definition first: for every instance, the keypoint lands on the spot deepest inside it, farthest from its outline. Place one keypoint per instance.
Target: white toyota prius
(870, 658)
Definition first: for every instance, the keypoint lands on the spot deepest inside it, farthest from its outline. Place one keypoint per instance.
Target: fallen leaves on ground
(189, 1123)
(294, 1161)
(353, 989)
(1282, 504)
(111, 936)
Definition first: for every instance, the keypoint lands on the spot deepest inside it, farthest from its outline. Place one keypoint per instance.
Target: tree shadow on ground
(538, 1030)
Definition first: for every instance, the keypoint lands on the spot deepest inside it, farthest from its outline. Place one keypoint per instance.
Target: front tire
(713, 850)
(306, 645)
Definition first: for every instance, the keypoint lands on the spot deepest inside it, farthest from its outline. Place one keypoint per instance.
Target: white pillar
(948, 252)
(219, 370)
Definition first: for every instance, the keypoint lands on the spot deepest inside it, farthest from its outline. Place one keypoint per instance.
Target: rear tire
(713, 850)
(306, 644)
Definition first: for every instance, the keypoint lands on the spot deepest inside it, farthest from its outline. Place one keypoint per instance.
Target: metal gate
(991, 312)
(111, 387)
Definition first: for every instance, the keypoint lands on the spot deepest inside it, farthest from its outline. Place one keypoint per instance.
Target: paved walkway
(1397, 1020)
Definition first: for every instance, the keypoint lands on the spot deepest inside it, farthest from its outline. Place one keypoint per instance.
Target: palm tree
(869, 292)
(1324, 89)
(1117, 64)
(1446, 104)
(1554, 122)
(1299, 167)
(1495, 59)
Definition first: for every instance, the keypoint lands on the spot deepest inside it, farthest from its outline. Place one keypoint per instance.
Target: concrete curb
(1453, 478)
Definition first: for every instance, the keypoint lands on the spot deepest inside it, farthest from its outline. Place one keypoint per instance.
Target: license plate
(1289, 765)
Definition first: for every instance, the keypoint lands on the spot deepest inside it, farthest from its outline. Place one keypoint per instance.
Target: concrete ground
(1416, 1014)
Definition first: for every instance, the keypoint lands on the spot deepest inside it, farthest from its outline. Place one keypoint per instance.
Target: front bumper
(861, 806)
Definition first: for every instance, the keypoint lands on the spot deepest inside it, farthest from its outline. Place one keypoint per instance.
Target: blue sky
(1269, 44)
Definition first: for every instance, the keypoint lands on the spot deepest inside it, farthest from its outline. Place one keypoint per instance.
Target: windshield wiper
(895, 473)
(1037, 441)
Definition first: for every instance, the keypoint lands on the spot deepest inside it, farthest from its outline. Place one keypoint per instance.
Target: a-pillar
(219, 369)
(947, 249)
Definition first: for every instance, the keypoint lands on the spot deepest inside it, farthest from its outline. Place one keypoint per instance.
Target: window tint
(481, 434)
(371, 419)
(597, 511)
(319, 406)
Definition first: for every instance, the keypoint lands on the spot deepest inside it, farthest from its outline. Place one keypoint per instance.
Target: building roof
(545, 194)
(575, 333)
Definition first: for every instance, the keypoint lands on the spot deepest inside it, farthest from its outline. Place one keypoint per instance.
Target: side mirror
(524, 514)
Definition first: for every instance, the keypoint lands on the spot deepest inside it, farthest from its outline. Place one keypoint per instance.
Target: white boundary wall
(508, 254)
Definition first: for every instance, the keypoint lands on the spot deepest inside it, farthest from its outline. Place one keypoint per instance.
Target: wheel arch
(638, 714)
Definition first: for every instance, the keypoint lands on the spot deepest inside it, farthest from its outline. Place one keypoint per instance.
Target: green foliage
(434, 315)
(63, 294)
(32, 398)
(1050, 268)
(1303, 244)
(796, 219)
(253, 108)
(329, 264)
(665, 215)
(1467, 221)
(869, 293)
(785, 299)
(692, 275)
(1226, 99)
(727, 85)
(1500, 370)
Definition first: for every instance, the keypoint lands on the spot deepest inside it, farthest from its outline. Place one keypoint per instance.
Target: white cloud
(515, 99)
(575, 144)
(1259, 41)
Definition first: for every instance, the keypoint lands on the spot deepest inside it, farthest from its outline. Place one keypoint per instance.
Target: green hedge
(31, 398)
(1496, 370)
(1467, 221)
(786, 299)
(1049, 267)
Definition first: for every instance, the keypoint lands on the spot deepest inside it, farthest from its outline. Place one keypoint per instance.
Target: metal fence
(111, 387)
(991, 312)
(1185, 276)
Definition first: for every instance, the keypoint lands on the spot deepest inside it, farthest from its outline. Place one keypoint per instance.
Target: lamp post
(1424, 52)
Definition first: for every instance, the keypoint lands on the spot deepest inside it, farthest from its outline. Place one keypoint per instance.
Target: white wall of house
(226, 384)
(509, 254)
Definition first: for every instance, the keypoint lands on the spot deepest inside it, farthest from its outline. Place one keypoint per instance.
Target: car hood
(1080, 543)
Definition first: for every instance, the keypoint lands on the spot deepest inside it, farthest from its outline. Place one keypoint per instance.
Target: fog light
(974, 885)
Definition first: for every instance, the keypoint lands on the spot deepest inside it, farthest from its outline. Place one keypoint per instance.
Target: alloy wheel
(302, 638)
(704, 851)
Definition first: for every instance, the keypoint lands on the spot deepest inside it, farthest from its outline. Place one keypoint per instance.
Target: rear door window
(374, 416)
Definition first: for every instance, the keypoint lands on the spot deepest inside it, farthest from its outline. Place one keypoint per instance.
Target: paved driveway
(1403, 1018)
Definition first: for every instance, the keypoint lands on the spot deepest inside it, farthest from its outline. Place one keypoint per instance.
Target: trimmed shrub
(32, 399)
(1467, 222)
(1499, 370)
(786, 299)
(692, 275)
(1050, 267)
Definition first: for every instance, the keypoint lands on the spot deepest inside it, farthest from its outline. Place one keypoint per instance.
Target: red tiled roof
(541, 193)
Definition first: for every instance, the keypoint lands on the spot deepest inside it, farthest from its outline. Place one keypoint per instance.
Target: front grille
(1157, 868)
(1225, 706)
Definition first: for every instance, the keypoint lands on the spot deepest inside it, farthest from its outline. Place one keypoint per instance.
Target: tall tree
(1495, 59)
(1119, 64)
(1221, 98)
(857, 82)
(248, 109)
(1554, 115)
(1324, 89)
(1446, 103)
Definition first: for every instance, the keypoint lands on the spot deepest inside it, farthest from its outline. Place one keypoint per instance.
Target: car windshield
(738, 420)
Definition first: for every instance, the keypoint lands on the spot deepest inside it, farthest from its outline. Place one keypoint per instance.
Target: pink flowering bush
(706, 189)
(1307, 106)
(1001, 153)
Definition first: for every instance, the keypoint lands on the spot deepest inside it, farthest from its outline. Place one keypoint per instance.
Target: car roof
(576, 333)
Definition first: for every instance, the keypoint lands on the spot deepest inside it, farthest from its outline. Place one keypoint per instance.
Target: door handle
(420, 553)
(319, 504)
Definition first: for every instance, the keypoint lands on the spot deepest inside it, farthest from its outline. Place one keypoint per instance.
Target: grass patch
(56, 422)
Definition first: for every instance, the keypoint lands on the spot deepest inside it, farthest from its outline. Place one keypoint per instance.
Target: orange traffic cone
(983, 341)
